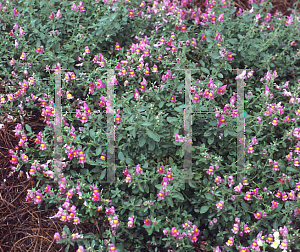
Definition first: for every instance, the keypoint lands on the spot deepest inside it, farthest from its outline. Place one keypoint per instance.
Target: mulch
(24, 226)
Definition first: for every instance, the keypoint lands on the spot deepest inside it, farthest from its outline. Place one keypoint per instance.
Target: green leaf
(103, 173)
(141, 188)
(142, 140)
(210, 140)
(153, 135)
(121, 156)
(169, 201)
(171, 119)
(209, 196)
(92, 133)
(178, 195)
(204, 209)
(225, 132)
(98, 151)
(205, 70)
(96, 170)
(28, 128)
(207, 133)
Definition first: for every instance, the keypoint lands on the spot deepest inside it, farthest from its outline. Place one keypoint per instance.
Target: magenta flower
(24, 157)
(147, 221)
(128, 178)
(246, 229)
(14, 159)
(250, 149)
(161, 194)
(220, 204)
(81, 159)
(51, 16)
(117, 48)
(229, 56)
(174, 232)
(38, 198)
(130, 221)
(296, 161)
(196, 99)
(40, 49)
(247, 196)
(23, 56)
(169, 176)
(173, 98)
(229, 242)
(210, 171)
(183, 29)
(136, 94)
(258, 215)
(131, 13)
(275, 166)
(74, 7)
(43, 146)
(57, 236)
(16, 12)
(131, 73)
(274, 204)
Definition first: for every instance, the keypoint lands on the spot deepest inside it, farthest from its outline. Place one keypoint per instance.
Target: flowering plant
(261, 209)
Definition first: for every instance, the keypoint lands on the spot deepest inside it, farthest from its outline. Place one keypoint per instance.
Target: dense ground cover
(145, 209)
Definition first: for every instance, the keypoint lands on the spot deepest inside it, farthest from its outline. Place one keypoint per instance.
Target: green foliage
(149, 132)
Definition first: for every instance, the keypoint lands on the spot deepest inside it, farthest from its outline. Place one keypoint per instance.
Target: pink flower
(74, 8)
(169, 176)
(58, 14)
(196, 99)
(173, 98)
(250, 149)
(138, 170)
(174, 232)
(40, 49)
(24, 157)
(235, 228)
(81, 159)
(23, 56)
(130, 222)
(147, 221)
(220, 204)
(136, 94)
(275, 166)
(221, 90)
(131, 73)
(246, 229)
(183, 29)
(51, 16)
(16, 12)
(210, 171)
(247, 196)
(258, 215)
(87, 50)
(14, 159)
(229, 56)
(296, 161)
(274, 204)
(161, 194)
(229, 242)
(43, 146)
(131, 13)
(117, 48)
(128, 178)
(38, 198)
(218, 180)
(155, 69)
(57, 236)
